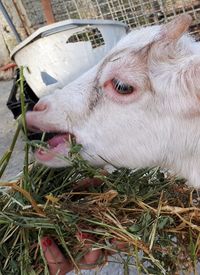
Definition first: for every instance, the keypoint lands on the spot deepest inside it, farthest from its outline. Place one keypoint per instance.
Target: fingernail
(46, 243)
(49, 242)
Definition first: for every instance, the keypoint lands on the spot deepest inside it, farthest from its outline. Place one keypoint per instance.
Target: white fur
(159, 125)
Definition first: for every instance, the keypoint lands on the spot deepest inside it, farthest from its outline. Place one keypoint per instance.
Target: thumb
(56, 261)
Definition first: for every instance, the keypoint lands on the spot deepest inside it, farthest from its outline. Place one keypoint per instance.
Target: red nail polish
(46, 242)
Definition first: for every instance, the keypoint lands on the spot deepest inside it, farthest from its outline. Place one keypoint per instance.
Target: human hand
(60, 265)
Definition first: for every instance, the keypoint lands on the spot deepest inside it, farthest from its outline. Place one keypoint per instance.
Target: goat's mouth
(58, 145)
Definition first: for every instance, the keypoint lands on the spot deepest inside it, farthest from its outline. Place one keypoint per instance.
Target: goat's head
(138, 107)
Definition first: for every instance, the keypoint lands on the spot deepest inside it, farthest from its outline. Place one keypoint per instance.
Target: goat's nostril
(40, 106)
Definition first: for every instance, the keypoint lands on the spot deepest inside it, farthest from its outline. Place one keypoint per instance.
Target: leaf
(134, 228)
(75, 149)
(164, 222)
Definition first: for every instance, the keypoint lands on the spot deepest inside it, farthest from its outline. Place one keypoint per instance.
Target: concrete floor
(7, 130)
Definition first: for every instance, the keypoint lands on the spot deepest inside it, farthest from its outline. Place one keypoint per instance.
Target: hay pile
(157, 215)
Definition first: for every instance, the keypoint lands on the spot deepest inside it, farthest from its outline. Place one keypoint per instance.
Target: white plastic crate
(55, 55)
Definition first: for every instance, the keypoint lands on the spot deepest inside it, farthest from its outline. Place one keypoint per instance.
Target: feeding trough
(55, 55)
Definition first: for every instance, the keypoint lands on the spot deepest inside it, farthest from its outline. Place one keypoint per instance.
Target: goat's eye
(122, 88)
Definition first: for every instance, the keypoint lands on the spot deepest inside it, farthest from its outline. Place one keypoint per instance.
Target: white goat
(139, 107)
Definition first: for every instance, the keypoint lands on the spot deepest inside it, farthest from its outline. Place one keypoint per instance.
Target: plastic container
(55, 55)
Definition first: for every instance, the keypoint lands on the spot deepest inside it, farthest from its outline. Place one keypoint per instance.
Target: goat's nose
(40, 106)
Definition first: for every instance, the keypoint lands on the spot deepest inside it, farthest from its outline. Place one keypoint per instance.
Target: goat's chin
(53, 158)
(54, 162)
(56, 154)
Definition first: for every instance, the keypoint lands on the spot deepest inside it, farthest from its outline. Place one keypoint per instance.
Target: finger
(119, 246)
(56, 261)
(87, 183)
(92, 258)
(7, 66)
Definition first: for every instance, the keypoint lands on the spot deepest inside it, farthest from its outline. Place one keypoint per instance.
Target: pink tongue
(55, 141)
(57, 144)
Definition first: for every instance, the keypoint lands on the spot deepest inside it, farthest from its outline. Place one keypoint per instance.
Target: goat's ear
(173, 30)
(164, 45)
